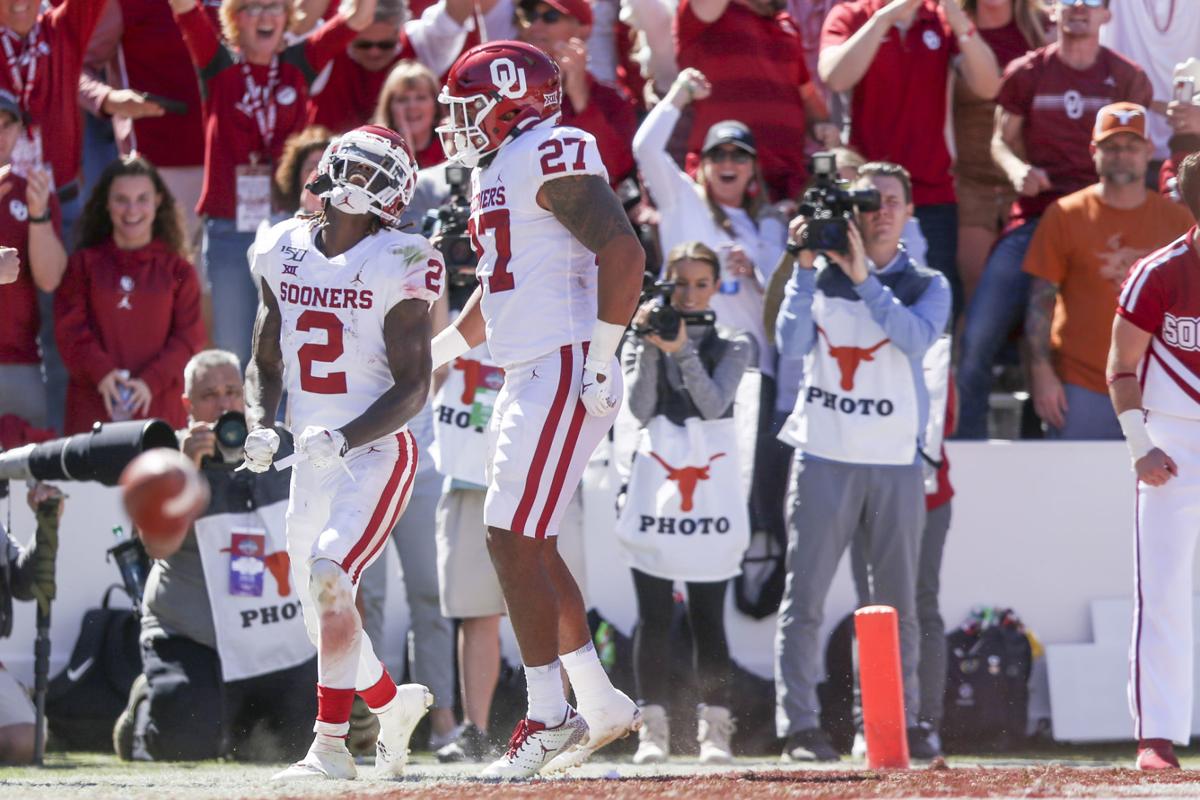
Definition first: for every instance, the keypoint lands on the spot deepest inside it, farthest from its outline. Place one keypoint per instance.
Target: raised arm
(264, 373)
(979, 66)
(406, 331)
(842, 66)
(663, 177)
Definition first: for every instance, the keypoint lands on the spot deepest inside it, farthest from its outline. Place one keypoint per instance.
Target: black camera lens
(231, 430)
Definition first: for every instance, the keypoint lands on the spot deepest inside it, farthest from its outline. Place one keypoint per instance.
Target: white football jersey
(334, 354)
(539, 282)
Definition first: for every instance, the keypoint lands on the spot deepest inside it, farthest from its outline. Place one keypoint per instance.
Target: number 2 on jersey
(496, 221)
(314, 353)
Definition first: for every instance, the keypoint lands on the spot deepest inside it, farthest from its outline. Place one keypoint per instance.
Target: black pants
(652, 640)
(193, 715)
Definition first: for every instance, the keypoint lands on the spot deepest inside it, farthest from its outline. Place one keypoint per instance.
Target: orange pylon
(878, 633)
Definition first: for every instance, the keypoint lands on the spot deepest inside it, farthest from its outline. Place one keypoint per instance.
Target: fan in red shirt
(127, 315)
(408, 105)
(1047, 109)
(560, 28)
(344, 95)
(43, 59)
(255, 94)
(897, 56)
(29, 218)
(751, 53)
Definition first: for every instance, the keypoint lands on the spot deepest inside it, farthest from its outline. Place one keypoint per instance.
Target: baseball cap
(10, 103)
(1120, 118)
(732, 132)
(579, 9)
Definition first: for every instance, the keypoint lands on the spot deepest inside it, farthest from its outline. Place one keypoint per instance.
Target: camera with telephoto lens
(829, 206)
(663, 320)
(449, 220)
(230, 431)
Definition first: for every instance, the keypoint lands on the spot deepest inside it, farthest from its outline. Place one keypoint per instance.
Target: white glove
(259, 449)
(596, 390)
(321, 446)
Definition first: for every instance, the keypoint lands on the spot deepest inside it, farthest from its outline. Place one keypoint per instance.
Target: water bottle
(730, 284)
(123, 410)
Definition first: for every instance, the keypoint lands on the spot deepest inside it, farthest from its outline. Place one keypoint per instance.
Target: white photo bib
(462, 407)
(859, 405)
(256, 610)
(685, 515)
(937, 382)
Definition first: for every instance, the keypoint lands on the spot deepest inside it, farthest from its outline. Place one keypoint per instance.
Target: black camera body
(450, 221)
(664, 318)
(829, 206)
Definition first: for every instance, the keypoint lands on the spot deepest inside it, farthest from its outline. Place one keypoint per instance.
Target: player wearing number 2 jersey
(344, 325)
(559, 272)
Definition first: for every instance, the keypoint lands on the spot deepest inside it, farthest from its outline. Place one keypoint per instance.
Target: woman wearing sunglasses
(724, 207)
(255, 90)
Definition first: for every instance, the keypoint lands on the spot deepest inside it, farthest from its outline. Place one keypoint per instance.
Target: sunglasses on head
(1088, 3)
(367, 44)
(528, 16)
(258, 9)
(736, 155)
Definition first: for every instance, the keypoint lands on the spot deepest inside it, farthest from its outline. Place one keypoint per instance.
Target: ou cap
(1120, 118)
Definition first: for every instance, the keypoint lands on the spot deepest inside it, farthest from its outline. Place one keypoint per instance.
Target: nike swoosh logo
(75, 674)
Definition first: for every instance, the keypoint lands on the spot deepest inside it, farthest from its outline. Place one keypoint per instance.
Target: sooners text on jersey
(1162, 296)
(539, 282)
(333, 310)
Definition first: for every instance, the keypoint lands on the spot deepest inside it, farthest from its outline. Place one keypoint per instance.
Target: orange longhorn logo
(478, 376)
(686, 478)
(848, 358)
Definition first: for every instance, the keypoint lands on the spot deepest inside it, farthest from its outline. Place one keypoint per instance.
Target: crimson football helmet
(385, 160)
(494, 90)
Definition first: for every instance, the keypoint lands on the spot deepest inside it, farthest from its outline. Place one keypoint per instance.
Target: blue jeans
(996, 308)
(939, 226)
(1089, 416)
(234, 293)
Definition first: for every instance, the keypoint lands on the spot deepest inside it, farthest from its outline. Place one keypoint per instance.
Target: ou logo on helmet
(1073, 104)
(508, 78)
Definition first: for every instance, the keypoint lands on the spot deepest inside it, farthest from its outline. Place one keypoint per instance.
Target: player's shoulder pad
(277, 234)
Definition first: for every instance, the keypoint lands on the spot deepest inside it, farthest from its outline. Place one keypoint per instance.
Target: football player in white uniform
(344, 325)
(560, 270)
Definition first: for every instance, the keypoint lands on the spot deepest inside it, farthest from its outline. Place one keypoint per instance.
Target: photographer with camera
(683, 373)
(26, 573)
(224, 649)
(864, 315)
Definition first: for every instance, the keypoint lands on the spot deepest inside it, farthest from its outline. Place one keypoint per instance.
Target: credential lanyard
(27, 57)
(263, 102)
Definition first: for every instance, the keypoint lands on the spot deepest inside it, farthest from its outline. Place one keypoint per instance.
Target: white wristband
(1133, 425)
(447, 346)
(606, 338)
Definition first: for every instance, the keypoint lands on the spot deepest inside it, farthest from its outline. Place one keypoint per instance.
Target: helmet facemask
(389, 176)
(463, 138)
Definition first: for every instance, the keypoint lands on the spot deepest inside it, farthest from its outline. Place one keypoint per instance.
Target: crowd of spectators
(1028, 149)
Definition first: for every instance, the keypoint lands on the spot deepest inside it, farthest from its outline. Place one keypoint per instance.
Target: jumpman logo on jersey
(357, 276)
(533, 374)
(373, 449)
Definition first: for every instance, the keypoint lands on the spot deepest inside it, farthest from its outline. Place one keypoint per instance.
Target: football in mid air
(163, 494)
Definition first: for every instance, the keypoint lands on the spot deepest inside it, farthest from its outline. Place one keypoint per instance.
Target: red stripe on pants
(395, 516)
(564, 464)
(381, 508)
(545, 441)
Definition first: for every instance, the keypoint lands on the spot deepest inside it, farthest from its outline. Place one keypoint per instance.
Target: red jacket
(611, 119)
(127, 309)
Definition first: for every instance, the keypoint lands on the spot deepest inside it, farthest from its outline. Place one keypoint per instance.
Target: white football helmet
(390, 181)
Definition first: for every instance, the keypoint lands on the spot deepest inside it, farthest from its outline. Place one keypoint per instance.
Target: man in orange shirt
(1078, 259)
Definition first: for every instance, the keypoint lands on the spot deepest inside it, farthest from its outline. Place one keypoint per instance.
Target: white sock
(587, 675)
(545, 690)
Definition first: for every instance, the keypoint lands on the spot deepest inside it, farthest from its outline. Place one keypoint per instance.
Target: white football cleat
(327, 758)
(533, 746)
(396, 723)
(615, 718)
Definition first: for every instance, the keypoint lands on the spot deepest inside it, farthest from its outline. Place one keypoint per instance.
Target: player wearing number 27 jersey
(559, 274)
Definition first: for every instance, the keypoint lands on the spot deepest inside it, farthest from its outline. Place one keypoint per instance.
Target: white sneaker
(396, 723)
(859, 748)
(715, 730)
(654, 739)
(615, 718)
(326, 758)
(533, 746)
